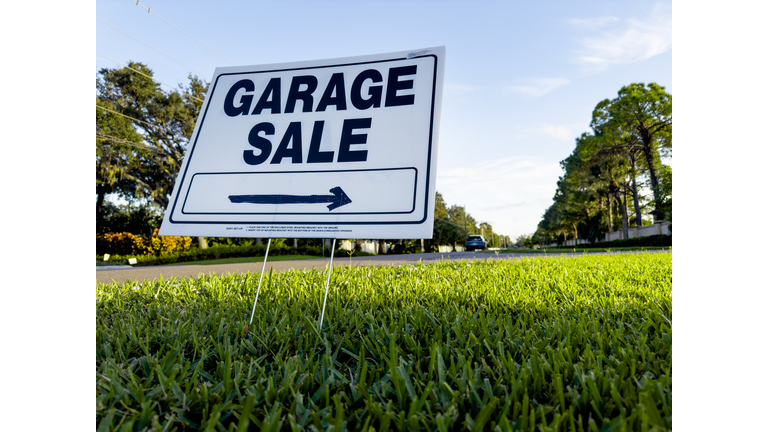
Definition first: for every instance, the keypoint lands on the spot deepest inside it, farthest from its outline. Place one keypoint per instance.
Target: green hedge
(217, 252)
(654, 240)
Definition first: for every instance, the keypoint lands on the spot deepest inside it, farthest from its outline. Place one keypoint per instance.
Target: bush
(231, 241)
(160, 245)
(654, 240)
(125, 243)
(217, 252)
(407, 247)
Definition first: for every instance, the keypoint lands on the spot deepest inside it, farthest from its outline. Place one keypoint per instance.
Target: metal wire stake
(260, 278)
(327, 281)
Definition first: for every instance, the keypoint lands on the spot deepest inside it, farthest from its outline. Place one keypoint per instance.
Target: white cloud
(536, 87)
(560, 133)
(591, 23)
(628, 42)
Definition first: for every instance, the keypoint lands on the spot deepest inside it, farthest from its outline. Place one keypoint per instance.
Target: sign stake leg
(260, 278)
(327, 282)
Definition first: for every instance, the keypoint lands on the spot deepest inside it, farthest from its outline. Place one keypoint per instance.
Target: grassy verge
(579, 250)
(249, 260)
(196, 255)
(560, 343)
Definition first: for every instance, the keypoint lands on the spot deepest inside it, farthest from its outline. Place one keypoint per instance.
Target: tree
(443, 230)
(577, 206)
(578, 210)
(665, 190)
(486, 230)
(447, 232)
(549, 225)
(441, 209)
(142, 133)
(616, 146)
(163, 121)
(643, 114)
(576, 194)
(609, 171)
(629, 135)
(140, 220)
(114, 156)
(459, 216)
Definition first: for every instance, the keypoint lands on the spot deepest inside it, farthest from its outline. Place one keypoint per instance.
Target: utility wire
(132, 118)
(130, 143)
(211, 49)
(142, 73)
(153, 48)
(449, 222)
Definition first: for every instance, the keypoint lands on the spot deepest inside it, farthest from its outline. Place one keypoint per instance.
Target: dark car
(475, 242)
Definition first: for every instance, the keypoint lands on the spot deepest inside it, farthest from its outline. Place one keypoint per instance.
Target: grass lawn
(254, 259)
(556, 343)
(579, 250)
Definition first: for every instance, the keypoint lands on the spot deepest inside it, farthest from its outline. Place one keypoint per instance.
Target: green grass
(562, 250)
(552, 343)
(248, 260)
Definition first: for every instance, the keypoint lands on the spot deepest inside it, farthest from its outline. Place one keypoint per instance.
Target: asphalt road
(121, 274)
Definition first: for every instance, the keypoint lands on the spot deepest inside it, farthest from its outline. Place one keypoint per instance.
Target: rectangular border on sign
(413, 207)
(429, 151)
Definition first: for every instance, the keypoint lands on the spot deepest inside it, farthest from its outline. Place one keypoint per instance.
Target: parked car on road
(475, 242)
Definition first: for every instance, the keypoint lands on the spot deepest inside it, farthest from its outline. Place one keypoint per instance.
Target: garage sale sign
(342, 148)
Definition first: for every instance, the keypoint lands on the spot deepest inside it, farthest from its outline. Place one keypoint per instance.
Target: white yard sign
(342, 148)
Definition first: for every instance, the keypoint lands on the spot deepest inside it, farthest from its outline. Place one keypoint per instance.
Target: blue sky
(521, 78)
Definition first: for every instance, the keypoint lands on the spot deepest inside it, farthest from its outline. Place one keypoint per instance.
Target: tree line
(615, 178)
(142, 132)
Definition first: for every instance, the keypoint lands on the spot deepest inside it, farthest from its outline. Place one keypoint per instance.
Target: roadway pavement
(120, 274)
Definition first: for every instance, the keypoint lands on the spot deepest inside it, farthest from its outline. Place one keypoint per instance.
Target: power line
(142, 73)
(206, 46)
(451, 223)
(132, 118)
(153, 48)
(130, 143)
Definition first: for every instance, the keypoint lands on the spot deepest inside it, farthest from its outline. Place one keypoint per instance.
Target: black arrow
(338, 199)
